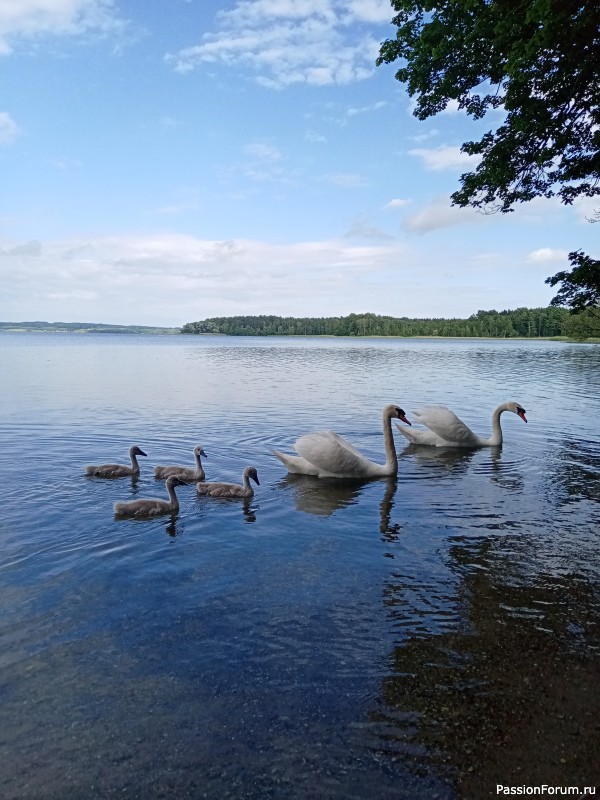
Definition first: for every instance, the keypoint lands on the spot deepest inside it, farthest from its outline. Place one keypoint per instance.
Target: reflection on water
(510, 697)
(321, 496)
(429, 635)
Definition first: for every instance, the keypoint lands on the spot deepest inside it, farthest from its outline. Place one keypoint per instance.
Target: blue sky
(164, 161)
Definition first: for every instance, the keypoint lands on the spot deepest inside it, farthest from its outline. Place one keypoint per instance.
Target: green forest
(522, 322)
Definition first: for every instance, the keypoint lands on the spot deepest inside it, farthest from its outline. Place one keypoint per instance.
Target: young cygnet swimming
(152, 506)
(231, 489)
(118, 470)
(185, 473)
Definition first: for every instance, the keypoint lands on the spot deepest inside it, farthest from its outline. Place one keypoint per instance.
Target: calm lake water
(424, 637)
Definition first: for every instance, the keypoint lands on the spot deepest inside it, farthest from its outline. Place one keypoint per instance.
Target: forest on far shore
(522, 322)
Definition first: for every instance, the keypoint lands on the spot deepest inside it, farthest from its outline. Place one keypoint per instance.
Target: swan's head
(252, 473)
(173, 480)
(519, 410)
(399, 412)
(199, 451)
(136, 451)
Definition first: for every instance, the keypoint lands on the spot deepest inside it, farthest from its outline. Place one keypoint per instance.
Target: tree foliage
(538, 61)
(581, 286)
(521, 322)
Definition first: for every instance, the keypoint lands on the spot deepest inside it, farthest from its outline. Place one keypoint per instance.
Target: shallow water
(325, 640)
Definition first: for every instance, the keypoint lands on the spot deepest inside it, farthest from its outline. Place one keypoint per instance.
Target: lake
(426, 637)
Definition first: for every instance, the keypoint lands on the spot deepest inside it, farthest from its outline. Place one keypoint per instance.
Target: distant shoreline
(141, 330)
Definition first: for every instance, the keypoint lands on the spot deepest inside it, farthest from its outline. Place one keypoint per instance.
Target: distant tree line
(522, 322)
(80, 327)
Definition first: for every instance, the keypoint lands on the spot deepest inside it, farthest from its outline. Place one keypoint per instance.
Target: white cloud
(362, 228)
(313, 136)
(440, 214)
(35, 18)
(285, 42)
(547, 254)
(9, 130)
(352, 112)
(423, 137)
(346, 180)
(264, 152)
(588, 208)
(172, 276)
(397, 203)
(445, 157)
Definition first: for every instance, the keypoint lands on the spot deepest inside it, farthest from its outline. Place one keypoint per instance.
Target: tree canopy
(538, 61)
(522, 322)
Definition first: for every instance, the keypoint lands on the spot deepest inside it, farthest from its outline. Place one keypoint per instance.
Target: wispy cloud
(314, 137)
(362, 228)
(352, 112)
(440, 214)
(317, 42)
(346, 180)
(263, 152)
(29, 19)
(179, 278)
(397, 202)
(547, 254)
(444, 157)
(9, 130)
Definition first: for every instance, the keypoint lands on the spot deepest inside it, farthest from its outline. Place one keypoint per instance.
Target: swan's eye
(520, 410)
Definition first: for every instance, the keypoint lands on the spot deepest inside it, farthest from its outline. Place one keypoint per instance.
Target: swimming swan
(185, 473)
(330, 456)
(118, 470)
(447, 430)
(231, 489)
(152, 506)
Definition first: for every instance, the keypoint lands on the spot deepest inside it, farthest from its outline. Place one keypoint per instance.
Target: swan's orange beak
(521, 413)
(402, 416)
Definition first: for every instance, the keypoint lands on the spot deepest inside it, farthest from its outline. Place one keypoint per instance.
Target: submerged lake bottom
(432, 635)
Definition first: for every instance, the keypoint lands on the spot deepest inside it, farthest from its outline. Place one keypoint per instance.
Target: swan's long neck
(198, 462)
(134, 464)
(172, 495)
(391, 458)
(246, 481)
(495, 439)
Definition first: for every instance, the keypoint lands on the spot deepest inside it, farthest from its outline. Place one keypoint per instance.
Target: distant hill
(80, 327)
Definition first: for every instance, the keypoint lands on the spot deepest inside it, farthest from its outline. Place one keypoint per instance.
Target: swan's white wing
(422, 437)
(331, 453)
(296, 464)
(447, 425)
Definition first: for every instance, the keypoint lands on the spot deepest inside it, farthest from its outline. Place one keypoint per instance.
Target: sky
(166, 161)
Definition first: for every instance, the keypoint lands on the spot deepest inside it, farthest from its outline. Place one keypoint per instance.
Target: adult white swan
(328, 455)
(447, 430)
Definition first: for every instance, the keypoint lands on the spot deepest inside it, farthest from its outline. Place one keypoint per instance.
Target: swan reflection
(454, 458)
(323, 497)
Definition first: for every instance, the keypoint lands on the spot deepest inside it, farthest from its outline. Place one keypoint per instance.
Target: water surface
(427, 636)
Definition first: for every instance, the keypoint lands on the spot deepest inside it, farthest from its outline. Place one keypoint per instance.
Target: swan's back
(220, 489)
(147, 507)
(185, 473)
(444, 422)
(117, 470)
(190, 474)
(144, 507)
(332, 454)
